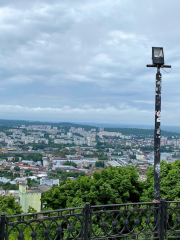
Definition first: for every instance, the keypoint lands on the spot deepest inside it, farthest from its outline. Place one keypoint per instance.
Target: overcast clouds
(84, 61)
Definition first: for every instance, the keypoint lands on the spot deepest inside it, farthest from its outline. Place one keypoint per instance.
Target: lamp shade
(157, 55)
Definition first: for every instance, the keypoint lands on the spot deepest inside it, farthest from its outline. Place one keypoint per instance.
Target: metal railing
(160, 220)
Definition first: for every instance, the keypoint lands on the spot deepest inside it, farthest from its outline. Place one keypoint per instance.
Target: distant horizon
(105, 125)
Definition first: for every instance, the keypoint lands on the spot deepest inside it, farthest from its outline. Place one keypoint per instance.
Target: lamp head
(157, 56)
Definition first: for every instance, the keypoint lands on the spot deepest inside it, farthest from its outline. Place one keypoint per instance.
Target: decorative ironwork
(172, 220)
(159, 220)
(125, 221)
(137, 222)
(59, 224)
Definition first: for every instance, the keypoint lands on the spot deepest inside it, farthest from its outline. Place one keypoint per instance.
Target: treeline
(114, 186)
(17, 123)
(34, 157)
(8, 174)
(9, 186)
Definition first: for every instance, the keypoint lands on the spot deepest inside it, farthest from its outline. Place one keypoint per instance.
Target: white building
(139, 156)
(49, 182)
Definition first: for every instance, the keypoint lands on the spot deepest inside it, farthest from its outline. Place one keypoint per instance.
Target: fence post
(162, 217)
(86, 226)
(3, 216)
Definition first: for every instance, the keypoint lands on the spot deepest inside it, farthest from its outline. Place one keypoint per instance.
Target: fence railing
(160, 220)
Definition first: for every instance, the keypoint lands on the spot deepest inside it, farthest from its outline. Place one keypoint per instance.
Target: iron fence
(160, 220)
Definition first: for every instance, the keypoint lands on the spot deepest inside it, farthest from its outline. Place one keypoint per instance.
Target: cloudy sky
(85, 60)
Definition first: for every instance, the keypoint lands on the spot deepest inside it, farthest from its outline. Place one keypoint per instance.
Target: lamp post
(158, 62)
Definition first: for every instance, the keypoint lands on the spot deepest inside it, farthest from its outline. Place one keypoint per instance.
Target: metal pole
(157, 131)
(157, 136)
(3, 220)
(86, 227)
(162, 218)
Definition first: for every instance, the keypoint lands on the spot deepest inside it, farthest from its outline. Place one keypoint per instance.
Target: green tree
(9, 186)
(16, 168)
(70, 163)
(31, 174)
(99, 164)
(29, 182)
(31, 210)
(132, 156)
(9, 206)
(170, 182)
(112, 185)
(16, 158)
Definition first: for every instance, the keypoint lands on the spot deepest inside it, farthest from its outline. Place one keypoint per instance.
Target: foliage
(114, 185)
(9, 186)
(170, 182)
(34, 157)
(31, 210)
(31, 182)
(147, 148)
(59, 153)
(28, 172)
(16, 168)
(167, 149)
(70, 163)
(101, 154)
(7, 168)
(8, 205)
(9, 174)
(3, 155)
(103, 145)
(99, 164)
(132, 156)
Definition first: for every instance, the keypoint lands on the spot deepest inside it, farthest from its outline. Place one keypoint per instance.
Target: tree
(9, 186)
(16, 168)
(31, 210)
(112, 185)
(34, 157)
(7, 168)
(99, 164)
(31, 174)
(70, 163)
(132, 156)
(16, 158)
(29, 182)
(8, 205)
(170, 182)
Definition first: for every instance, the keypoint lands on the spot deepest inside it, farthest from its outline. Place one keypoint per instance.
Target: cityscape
(89, 120)
(39, 157)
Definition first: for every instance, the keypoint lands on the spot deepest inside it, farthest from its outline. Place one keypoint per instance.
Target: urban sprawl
(33, 158)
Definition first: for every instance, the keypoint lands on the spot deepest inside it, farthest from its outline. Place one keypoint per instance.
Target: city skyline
(85, 61)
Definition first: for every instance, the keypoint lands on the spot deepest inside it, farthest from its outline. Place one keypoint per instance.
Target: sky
(85, 60)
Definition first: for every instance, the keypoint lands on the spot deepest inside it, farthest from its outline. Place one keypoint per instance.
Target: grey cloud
(87, 53)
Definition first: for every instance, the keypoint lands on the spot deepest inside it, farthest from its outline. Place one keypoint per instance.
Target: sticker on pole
(159, 119)
(158, 114)
(158, 82)
(157, 168)
(158, 131)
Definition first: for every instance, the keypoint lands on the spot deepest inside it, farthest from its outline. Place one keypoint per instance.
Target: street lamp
(157, 55)
(158, 62)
